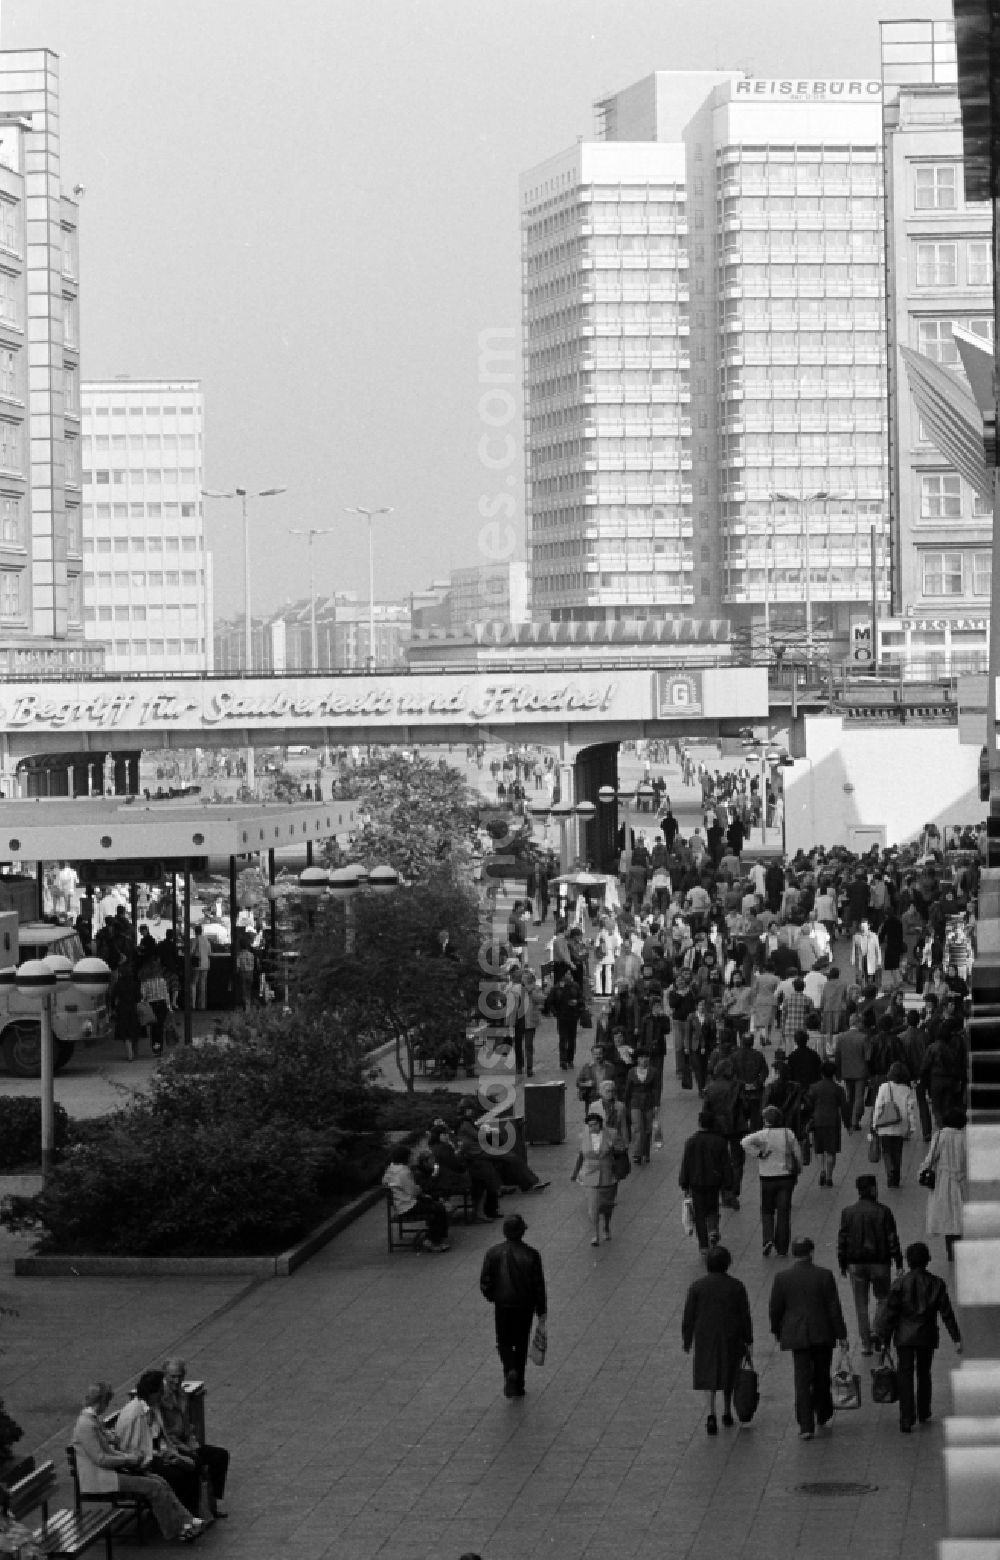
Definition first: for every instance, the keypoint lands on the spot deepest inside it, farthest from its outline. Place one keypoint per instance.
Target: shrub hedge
(21, 1132)
(238, 1149)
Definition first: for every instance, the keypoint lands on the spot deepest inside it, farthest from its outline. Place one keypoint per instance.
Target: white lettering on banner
(864, 90)
(216, 705)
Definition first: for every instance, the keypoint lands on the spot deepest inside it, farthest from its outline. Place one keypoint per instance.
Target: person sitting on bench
(409, 1199)
(102, 1468)
(509, 1165)
(140, 1430)
(212, 1462)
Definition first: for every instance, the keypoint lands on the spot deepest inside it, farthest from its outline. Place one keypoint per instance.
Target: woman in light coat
(946, 1157)
(595, 1172)
(894, 1120)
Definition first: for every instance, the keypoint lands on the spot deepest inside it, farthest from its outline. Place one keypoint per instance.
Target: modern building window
(71, 320)
(11, 520)
(937, 265)
(982, 563)
(936, 186)
(941, 496)
(73, 529)
(9, 226)
(942, 574)
(10, 594)
(8, 372)
(71, 389)
(978, 267)
(74, 597)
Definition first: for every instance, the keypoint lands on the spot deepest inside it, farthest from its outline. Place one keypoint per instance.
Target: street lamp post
(359, 509)
(242, 494)
(312, 531)
(804, 500)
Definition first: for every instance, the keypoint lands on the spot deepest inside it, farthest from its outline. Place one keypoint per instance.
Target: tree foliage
(416, 813)
(374, 963)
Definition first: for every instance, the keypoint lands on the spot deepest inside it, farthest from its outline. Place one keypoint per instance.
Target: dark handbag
(586, 1019)
(928, 1178)
(885, 1379)
(746, 1391)
(621, 1164)
(874, 1148)
(806, 1147)
(687, 1077)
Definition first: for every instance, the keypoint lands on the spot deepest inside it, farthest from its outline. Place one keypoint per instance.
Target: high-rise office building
(940, 275)
(705, 356)
(148, 573)
(41, 608)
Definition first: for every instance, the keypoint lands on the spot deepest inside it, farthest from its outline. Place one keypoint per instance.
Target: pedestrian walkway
(362, 1399)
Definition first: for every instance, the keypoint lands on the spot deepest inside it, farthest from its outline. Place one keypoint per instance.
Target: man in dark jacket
(706, 1170)
(915, 1302)
(513, 1282)
(867, 1245)
(807, 1321)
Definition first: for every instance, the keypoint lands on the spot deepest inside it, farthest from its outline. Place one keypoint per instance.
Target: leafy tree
(374, 963)
(415, 813)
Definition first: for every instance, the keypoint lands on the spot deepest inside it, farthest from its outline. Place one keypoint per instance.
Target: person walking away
(807, 1321)
(833, 1007)
(947, 1158)
(914, 1043)
(565, 1003)
(541, 893)
(513, 1281)
(763, 991)
(779, 1162)
(852, 1054)
(706, 1172)
(894, 1120)
(944, 1069)
(718, 1325)
(724, 1098)
(867, 1246)
(827, 1106)
(915, 1302)
(751, 1069)
(595, 1172)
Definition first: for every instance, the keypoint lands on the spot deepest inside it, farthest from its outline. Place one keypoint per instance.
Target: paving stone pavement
(362, 1398)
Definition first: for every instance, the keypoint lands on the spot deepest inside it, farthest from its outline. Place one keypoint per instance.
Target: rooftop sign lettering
(859, 91)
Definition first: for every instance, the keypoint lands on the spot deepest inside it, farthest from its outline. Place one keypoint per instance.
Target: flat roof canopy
(113, 829)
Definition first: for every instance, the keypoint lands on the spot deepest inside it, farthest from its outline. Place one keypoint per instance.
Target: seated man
(140, 1431)
(103, 1468)
(508, 1164)
(212, 1462)
(408, 1198)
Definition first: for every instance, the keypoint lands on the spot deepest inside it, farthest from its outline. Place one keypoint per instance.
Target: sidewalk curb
(281, 1266)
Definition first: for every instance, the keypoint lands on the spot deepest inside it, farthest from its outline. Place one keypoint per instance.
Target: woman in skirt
(595, 1172)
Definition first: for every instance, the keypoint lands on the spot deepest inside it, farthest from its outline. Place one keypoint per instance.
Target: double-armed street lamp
(358, 509)
(804, 501)
(310, 532)
(243, 494)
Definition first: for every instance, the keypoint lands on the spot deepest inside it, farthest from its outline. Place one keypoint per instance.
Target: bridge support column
(594, 768)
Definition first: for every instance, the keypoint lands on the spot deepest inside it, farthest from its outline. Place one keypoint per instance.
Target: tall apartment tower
(41, 607)
(705, 356)
(148, 574)
(940, 275)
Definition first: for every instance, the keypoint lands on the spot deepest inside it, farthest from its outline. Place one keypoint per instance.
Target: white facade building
(704, 356)
(147, 573)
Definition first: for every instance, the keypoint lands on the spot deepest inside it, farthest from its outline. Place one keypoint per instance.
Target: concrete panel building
(148, 573)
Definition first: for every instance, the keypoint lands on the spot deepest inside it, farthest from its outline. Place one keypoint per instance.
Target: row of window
(171, 621)
(135, 511)
(139, 649)
(138, 443)
(941, 498)
(138, 544)
(169, 411)
(154, 579)
(956, 573)
(149, 476)
(938, 264)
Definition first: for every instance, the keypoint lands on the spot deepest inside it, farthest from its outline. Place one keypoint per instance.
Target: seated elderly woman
(212, 1462)
(104, 1468)
(503, 1158)
(408, 1198)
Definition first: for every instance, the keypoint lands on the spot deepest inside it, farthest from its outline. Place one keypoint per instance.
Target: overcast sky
(311, 206)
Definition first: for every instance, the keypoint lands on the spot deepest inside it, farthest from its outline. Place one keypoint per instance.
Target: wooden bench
(62, 1533)
(406, 1231)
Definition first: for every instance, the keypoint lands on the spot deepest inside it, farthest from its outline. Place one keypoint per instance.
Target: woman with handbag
(945, 1171)
(894, 1120)
(717, 1322)
(779, 1161)
(595, 1171)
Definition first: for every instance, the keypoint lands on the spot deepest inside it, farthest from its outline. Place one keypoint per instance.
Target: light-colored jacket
(777, 1150)
(98, 1455)
(904, 1099)
(596, 1167)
